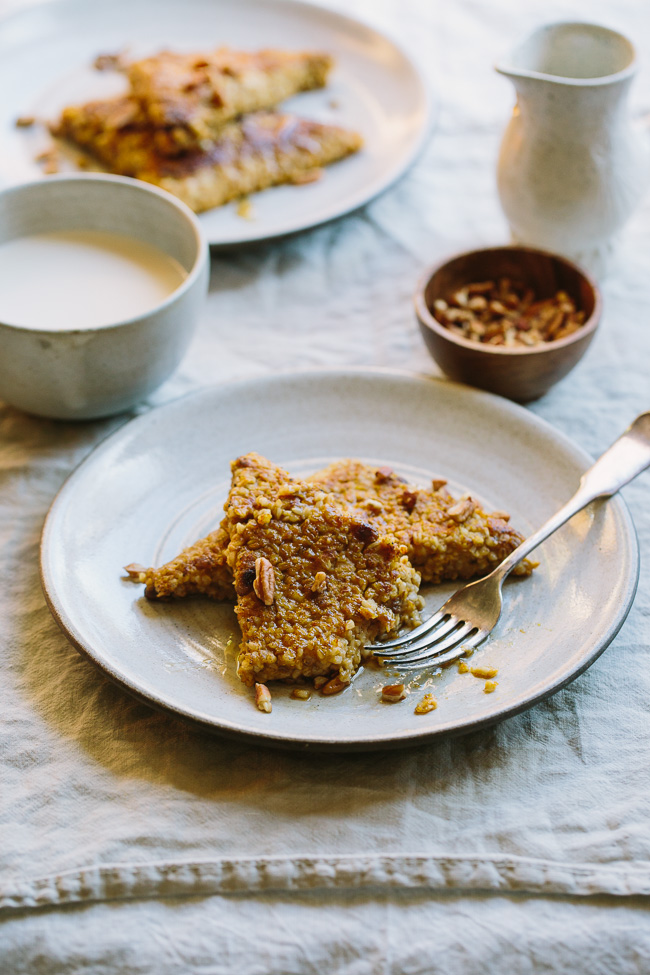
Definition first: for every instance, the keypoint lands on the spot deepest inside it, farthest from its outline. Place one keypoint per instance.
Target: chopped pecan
(484, 672)
(364, 532)
(108, 62)
(409, 499)
(334, 686)
(263, 698)
(319, 583)
(383, 474)
(427, 704)
(264, 584)
(134, 569)
(462, 509)
(393, 693)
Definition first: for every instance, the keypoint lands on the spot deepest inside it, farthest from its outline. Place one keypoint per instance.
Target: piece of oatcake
(193, 95)
(201, 569)
(315, 583)
(258, 151)
(445, 538)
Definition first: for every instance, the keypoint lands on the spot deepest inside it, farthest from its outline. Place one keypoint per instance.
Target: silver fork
(471, 614)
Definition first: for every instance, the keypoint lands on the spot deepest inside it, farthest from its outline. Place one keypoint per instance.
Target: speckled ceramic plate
(159, 483)
(375, 89)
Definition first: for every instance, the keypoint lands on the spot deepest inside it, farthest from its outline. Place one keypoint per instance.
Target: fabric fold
(261, 875)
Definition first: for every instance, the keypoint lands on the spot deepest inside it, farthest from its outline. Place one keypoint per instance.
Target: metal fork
(471, 614)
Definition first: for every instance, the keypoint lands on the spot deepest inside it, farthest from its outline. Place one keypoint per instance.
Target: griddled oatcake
(192, 95)
(315, 583)
(445, 539)
(258, 151)
(202, 569)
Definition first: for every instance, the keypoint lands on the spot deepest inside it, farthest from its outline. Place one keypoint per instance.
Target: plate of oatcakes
(265, 116)
(234, 580)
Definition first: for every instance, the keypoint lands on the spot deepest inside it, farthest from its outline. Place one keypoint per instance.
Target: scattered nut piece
(428, 703)
(319, 583)
(24, 121)
(437, 483)
(319, 682)
(264, 585)
(50, 160)
(501, 515)
(490, 685)
(462, 667)
(301, 693)
(334, 686)
(245, 209)
(392, 693)
(484, 672)
(108, 62)
(134, 569)
(263, 698)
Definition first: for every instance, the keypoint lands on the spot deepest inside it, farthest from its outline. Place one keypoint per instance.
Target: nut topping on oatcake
(445, 539)
(305, 632)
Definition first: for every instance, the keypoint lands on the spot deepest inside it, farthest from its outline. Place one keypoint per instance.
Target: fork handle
(625, 459)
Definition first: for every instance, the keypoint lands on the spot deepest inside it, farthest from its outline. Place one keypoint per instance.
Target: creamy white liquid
(82, 279)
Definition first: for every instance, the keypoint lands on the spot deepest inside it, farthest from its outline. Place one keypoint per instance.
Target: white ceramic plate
(46, 53)
(159, 483)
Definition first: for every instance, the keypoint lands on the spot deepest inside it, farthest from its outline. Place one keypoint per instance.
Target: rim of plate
(365, 194)
(372, 742)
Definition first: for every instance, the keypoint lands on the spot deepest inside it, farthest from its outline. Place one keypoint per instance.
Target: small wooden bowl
(521, 374)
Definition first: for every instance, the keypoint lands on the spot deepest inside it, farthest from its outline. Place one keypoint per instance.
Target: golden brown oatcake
(201, 569)
(193, 95)
(445, 539)
(315, 583)
(261, 150)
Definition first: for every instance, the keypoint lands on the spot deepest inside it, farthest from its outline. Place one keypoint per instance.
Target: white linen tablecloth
(131, 844)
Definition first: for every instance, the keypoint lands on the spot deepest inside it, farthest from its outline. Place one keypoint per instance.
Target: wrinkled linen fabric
(130, 843)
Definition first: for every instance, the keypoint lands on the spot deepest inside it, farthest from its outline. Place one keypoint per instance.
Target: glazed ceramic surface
(374, 89)
(81, 373)
(160, 483)
(572, 166)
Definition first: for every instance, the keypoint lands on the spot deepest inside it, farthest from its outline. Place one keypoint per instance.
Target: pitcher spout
(573, 54)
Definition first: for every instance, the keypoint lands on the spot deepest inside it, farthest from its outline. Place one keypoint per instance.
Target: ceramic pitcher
(572, 165)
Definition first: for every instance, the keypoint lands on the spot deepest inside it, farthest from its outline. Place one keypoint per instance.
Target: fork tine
(435, 661)
(435, 647)
(436, 657)
(401, 641)
(434, 633)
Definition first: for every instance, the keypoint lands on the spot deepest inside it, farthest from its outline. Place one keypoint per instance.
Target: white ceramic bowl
(79, 374)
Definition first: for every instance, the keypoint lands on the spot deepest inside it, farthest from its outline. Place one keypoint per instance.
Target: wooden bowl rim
(427, 318)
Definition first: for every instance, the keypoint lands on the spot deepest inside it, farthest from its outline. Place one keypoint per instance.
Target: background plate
(159, 483)
(375, 89)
